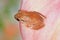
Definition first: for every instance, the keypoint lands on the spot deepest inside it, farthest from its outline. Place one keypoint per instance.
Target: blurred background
(9, 28)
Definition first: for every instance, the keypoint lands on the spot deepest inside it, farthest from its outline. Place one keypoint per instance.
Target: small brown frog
(31, 19)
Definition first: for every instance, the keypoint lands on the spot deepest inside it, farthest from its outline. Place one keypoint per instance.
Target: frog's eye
(17, 17)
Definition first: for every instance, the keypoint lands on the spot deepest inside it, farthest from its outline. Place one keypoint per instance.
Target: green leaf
(1, 24)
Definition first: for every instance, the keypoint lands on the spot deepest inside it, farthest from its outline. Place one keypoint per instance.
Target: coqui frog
(31, 19)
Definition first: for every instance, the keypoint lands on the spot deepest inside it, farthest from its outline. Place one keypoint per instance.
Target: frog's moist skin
(31, 19)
